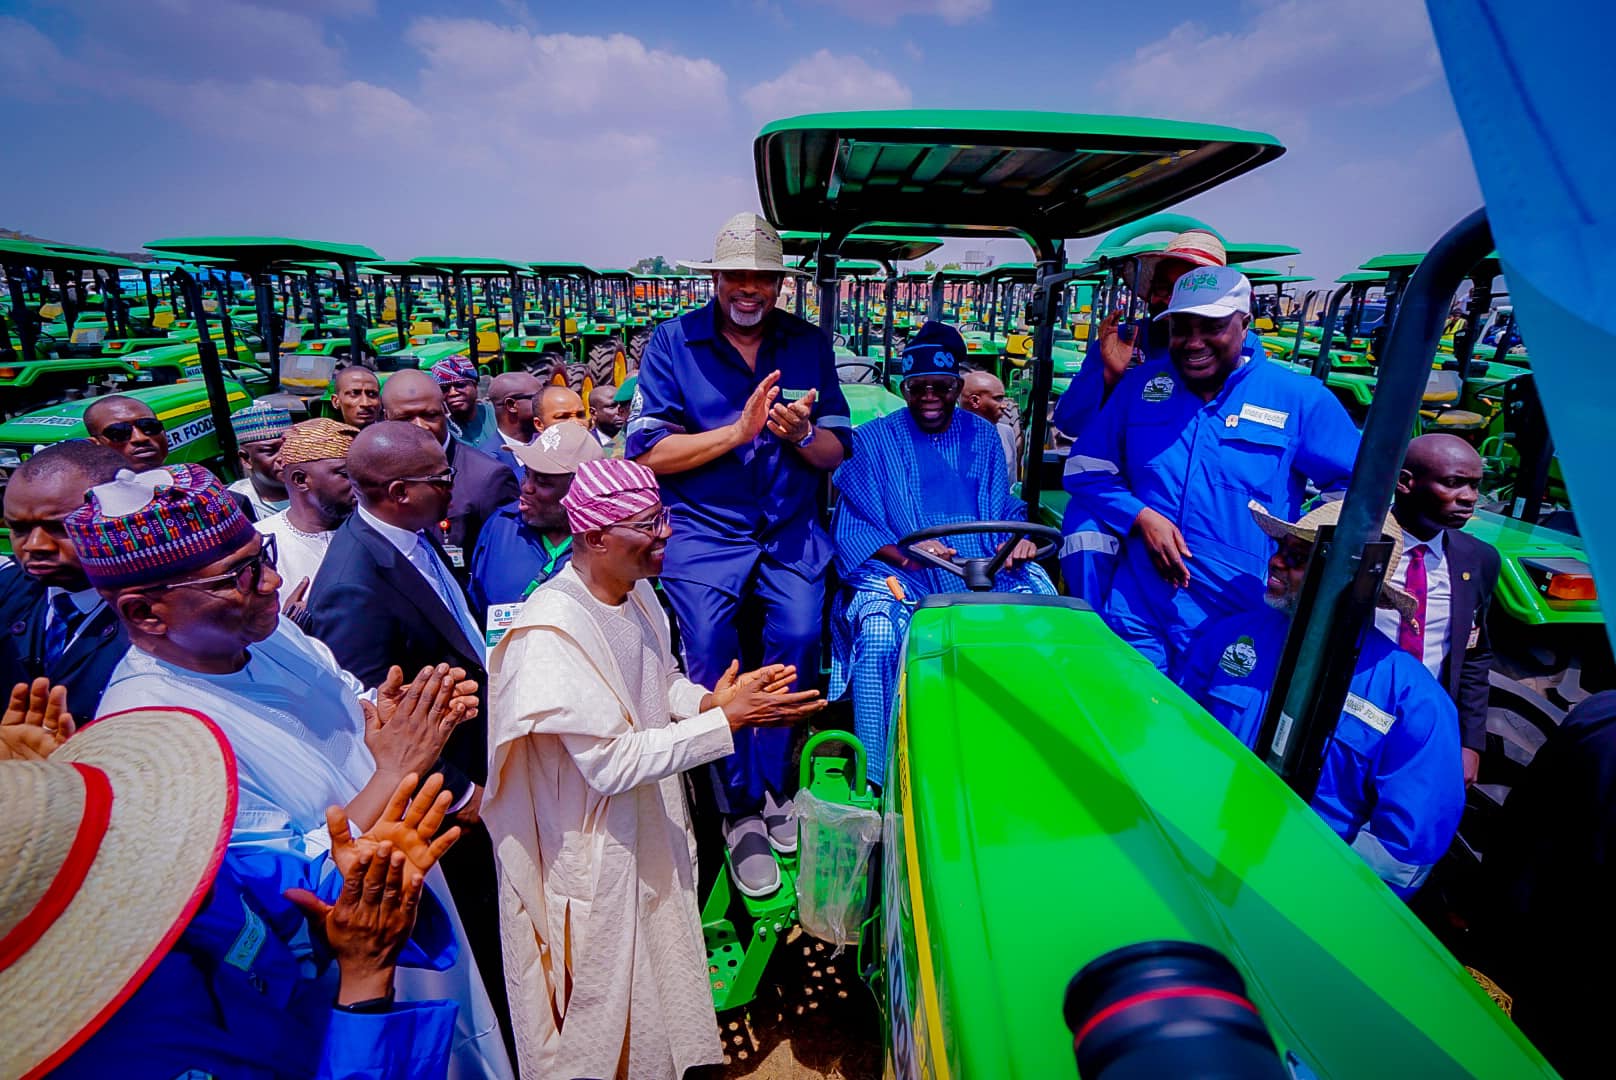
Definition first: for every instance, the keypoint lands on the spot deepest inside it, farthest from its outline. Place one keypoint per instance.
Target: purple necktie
(1411, 634)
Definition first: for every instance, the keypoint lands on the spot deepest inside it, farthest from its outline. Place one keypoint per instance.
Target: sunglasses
(652, 527)
(244, 577)
(445, 477)
(923, 388)
(122, 430)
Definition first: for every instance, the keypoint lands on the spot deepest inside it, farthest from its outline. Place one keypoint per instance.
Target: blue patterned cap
(259, 422)
(936, 349)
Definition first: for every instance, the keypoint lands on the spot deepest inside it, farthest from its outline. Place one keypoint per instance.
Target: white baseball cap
(1213, 291)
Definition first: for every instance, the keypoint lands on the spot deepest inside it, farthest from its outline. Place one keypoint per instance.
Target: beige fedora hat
(110, 847)
(1329, 513)
(746, 242)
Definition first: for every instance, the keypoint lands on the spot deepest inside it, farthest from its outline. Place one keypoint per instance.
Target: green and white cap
(1212, 291)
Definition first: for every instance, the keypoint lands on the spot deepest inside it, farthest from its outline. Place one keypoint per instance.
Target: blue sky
(608, 131)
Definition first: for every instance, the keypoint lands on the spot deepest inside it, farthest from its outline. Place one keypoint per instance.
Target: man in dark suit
(57, 625)
(385, 595)
(481, 484)
(1452, 575)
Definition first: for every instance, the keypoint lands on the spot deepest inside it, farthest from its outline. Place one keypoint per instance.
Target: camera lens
(1167, 1008)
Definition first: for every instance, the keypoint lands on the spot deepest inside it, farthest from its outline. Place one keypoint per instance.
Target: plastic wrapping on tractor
(834, 844)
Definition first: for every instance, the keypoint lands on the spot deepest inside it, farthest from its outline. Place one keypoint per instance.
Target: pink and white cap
(609, 490)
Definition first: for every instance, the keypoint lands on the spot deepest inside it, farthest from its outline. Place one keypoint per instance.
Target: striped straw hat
(146, 527)
(110, 848)
(609, 490)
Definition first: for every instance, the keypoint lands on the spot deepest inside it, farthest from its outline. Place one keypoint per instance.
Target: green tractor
(1097, 793)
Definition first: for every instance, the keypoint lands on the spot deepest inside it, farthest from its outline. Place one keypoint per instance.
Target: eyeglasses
(244, 577)
(937, 388)
(653, 527)
(120, 431)
(445, 477)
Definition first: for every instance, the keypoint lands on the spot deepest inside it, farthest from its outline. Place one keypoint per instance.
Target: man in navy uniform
(739, 412)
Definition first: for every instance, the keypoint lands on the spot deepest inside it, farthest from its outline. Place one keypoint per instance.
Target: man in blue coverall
(739, 412)
(1089, 551)
(1181, 447)
(1392, 785)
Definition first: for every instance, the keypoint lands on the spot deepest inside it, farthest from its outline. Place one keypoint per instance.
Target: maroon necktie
(1411, 634)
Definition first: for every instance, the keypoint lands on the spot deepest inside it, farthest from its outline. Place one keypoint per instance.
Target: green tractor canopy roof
(879, 247)
(470, 265)
(1048, 174)
(261, 251)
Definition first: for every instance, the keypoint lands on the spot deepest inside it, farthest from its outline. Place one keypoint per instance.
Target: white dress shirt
(1438, 600)
(417, 549)
(88, 601)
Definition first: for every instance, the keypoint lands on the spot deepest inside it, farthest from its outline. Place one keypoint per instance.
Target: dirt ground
(812, 1017)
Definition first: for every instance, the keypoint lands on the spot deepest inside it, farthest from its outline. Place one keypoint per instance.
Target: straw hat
(109, 848)
(1198, 247)
(1329, 513)
(746, 242)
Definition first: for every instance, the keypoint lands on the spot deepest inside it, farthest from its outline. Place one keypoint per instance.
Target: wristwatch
(808, 438)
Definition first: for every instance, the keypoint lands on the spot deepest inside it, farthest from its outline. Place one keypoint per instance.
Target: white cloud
(520, 73)
(31, 67)
(825, 82)
(300, 118)
(1293, 58)
(887, 12)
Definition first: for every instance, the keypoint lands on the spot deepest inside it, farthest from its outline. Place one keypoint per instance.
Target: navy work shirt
(511, 558)
(755, 500)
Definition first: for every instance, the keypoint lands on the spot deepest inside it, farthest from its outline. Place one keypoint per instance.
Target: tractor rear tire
(637, 341)
(602, 362)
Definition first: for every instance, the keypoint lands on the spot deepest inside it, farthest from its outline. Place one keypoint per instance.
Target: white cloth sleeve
(620, 763)
(684, 696)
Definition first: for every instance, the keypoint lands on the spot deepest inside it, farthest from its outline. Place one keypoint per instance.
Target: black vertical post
(212, 372)
(1321, 363)
(829, 290)
(1046, 294)
(27, 329)
(356, 328)
(1306, 700)
(468, 321)
(264, 295)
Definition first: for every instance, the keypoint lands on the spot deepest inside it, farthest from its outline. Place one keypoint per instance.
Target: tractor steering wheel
(978, 574)
(862, 372)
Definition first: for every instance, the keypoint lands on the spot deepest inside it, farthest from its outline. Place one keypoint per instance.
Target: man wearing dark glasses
(130, 427)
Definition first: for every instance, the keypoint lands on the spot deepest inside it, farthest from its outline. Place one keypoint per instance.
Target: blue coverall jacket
(1392, 785)
(1156, 444)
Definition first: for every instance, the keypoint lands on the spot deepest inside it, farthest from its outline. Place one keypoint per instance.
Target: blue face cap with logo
(936, 349)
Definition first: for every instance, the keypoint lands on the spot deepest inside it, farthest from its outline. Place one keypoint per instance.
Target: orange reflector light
(1573, 587)
(9, 372)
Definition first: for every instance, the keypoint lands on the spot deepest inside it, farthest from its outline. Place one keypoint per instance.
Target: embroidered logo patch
(1158, 389)
(1240, 658)
(792, 395)
(1198, 280)
(550, 438)
(636, 403)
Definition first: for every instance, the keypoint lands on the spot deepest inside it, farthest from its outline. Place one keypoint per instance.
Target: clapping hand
(369, 924)
(1115, 353)
(36, 721)
(771, 678)
(756, 412)
(792, 422)
(407, 727)
(409, 824)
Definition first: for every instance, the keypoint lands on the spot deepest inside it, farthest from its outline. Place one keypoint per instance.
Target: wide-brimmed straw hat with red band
(108, 849)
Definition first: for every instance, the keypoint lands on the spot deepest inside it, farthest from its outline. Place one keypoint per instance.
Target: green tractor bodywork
(184, 408)
(1030, 830)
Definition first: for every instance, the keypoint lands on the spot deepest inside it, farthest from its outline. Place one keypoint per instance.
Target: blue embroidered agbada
(898, 481)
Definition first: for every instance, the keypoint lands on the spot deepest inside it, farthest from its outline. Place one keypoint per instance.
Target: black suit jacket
(1472, 575)
(374, 609)
(86, 665)
(482, 485)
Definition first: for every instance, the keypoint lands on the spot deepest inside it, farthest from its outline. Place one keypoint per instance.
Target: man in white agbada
(313, 464)
(194, 586)
(591, 724)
